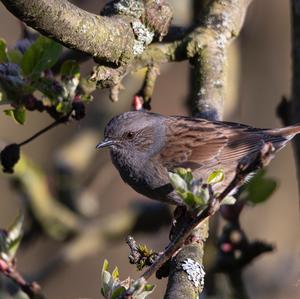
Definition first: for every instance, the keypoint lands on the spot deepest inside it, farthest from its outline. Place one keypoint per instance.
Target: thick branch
(208, 49)
(289, 110)
(108, 39)
(179, 284)
(115, 38)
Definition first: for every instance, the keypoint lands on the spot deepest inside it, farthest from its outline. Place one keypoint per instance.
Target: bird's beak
(106, 142)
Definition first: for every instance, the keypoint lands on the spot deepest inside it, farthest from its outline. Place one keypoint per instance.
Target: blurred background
(260, 75)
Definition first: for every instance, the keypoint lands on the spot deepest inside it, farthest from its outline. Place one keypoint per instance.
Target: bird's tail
(286, 132)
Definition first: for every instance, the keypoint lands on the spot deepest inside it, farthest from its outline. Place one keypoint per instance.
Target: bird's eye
(129, 135)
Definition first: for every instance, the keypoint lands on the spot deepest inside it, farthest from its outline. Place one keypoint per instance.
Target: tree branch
(32, 289)
(219, 26)
(206, 47)
(107, 39)
(180, 285)
(288, 110)
(111, 40)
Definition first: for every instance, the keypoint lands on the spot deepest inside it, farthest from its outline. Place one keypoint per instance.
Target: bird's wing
(194, 143)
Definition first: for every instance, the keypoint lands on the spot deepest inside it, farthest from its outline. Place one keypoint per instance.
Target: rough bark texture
(111, 39)
(179, 285)
(219, 26)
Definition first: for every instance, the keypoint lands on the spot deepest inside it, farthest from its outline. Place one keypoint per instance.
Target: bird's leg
(180, 214)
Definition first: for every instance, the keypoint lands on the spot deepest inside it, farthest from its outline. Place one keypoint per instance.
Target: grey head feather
(131, 121)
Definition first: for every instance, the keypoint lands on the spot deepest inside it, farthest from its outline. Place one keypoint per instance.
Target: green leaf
(3, 51)
(40, 56)
(185, 173)
(149, 287)
(63, 107)
(259, 189)
(145, 292)
(70, 68)
(105, 265)
(181, 171)
(87, 86)
(188, 198)
(18, 114)
(118, 292)
(145, 251)
(192, 200)
(115, 273)
(14, 235)
(86, 98)
(178, 182)
(15, 56)
(10, 240)
(106, 283)
(51, 88)
(216, 177)
(10, 113)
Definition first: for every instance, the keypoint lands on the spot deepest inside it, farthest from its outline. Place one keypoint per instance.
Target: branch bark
(219, 27)
(31, 289)
(288, 110)
(206, 48)
(179, 284)
(110, 40)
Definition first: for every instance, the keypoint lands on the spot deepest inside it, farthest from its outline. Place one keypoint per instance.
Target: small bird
(145, 146)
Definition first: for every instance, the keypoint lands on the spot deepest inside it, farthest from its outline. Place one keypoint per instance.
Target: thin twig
(32, 289)
(44, 130)
(147, 89)
(140, 255)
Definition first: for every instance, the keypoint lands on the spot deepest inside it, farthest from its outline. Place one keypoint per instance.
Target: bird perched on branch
(145, 146)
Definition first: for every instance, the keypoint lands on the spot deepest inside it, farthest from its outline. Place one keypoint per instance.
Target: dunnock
(145, 146)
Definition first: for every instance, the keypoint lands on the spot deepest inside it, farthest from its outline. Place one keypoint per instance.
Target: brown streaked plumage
(145, 146)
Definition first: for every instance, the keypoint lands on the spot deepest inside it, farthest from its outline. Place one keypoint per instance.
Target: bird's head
(133, 131)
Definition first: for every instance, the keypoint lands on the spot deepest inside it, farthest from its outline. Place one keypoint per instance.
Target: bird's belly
(146, 181)
(146, 185)
(163, 192)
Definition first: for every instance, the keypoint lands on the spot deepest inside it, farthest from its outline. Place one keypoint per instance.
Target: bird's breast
(144, 175)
